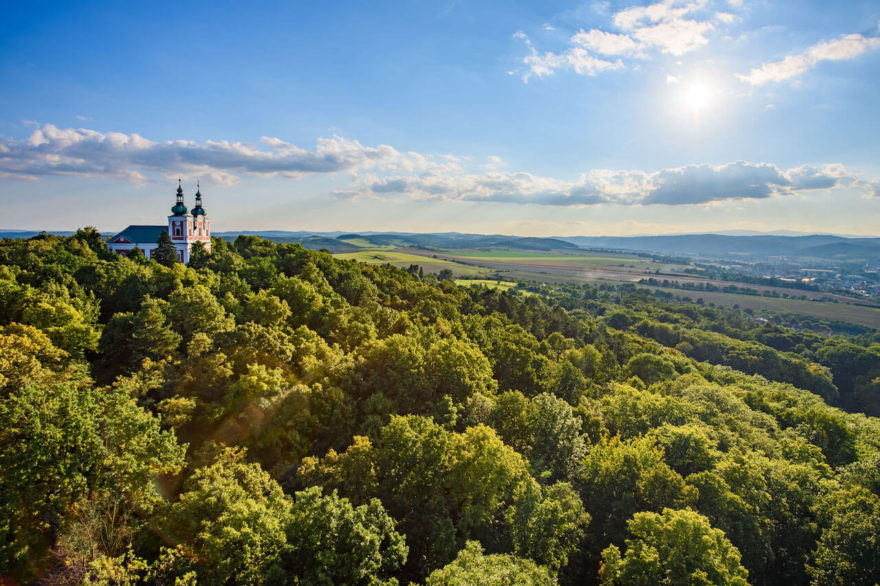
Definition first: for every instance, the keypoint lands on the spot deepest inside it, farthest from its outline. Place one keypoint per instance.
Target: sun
(697, 97)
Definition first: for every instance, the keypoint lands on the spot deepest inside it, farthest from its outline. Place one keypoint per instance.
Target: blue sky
(543, 118)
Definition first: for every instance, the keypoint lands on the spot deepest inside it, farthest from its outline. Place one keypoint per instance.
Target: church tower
(180, 226)
(201, 223)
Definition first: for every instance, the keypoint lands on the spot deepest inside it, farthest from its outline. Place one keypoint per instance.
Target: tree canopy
(271, 414)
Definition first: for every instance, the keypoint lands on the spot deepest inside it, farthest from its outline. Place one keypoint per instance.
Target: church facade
(183, 228)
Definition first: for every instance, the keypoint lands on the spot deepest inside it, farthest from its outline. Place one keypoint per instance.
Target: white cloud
(846, 47)
(696, 184)
(53, 151)
(578, 59)
(606, 43)
(673, 27)
(493, 162)
(675, 37)
(669, 10)
(688, 185)
(664, 26)
(843, 48)
(806, 177)
(384, 172)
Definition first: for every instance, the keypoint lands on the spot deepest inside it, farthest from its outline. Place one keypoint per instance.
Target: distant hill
(31, 233)
(826, 247)
(336, 241)
(819, 246)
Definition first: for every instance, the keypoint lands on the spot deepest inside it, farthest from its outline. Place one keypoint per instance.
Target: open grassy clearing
(364, 243)
(403, 260)
(488, 283)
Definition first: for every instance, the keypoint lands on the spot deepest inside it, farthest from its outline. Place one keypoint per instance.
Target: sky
(545, 118)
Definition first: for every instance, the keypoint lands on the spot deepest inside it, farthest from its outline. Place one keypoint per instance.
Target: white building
(183, 228)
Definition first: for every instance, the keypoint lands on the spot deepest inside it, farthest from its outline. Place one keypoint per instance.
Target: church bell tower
(201, 223)
(180, 226)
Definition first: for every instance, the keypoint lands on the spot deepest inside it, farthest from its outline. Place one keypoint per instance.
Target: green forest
(271, 415)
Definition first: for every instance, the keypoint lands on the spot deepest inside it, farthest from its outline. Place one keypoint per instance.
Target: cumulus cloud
(386, 173)
(607, 43)
(77, 151)
(666, 26)
(806, 177)
(695, 184)
(840, 49)
(577, 59)
(506, 187)
(688, 185)
(673, 27)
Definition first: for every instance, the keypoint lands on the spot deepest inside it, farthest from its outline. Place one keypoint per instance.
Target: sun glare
(697, 96)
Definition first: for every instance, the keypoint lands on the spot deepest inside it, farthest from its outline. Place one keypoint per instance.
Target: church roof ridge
(141, 233)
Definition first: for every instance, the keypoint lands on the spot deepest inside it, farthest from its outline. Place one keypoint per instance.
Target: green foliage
(61, 438)
(166, 253)
(687, 448)
(127, 340)
(848, 551)
(547, 525)
(675, 547)
(651, 368)
(198, 255)
(49, 444)
(375, 404)
(544, 429)
(66, 326)
(194, 310)
(230, 520)
(415, 375)
(622, 477)
(471, 566)
(446, 487)
(333, 542)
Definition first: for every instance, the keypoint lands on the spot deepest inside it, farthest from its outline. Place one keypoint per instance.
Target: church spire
(198, 210)
(179, 209)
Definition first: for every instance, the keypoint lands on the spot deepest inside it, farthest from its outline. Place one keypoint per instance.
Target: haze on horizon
(532, 118)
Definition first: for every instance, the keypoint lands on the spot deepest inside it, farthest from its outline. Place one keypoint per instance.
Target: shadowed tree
(166, 252)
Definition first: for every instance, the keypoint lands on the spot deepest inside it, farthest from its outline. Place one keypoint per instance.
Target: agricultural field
(364, 243)
(403, 260)
(845, 312)
(488, 283)
(565, 260)
(590, 267)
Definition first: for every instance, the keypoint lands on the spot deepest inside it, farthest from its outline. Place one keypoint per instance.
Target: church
(183, 228)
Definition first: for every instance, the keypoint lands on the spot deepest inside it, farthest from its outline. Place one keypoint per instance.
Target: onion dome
(179, 209)
(198, 210)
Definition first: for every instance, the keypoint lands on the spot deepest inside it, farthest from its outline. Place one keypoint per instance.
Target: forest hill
(268, 414)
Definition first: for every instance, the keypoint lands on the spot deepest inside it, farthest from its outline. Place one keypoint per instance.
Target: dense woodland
(271, 415)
